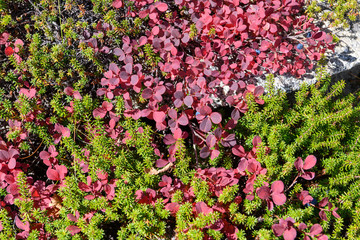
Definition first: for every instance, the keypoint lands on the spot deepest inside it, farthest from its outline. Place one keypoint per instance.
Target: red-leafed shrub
(187, 52)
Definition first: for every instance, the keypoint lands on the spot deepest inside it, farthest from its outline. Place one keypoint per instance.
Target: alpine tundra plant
(114, 123)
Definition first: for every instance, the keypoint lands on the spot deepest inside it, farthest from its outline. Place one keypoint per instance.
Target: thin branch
(292, 184)
(193, 140)
(153, 171)
(34, 151)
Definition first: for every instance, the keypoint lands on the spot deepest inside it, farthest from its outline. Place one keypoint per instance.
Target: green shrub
(338, 12)
(318, 120)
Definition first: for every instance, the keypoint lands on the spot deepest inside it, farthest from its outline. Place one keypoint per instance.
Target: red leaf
(215, 117)
(302, 226)
(124, 75)
(205, 110)
(265, 45)
(53, 174)
(319, 36)
(258, 91)
(242, 165)
(9, 179)
(69, 91)
(142, 40)
(238, 150)
(324, 202)
(211, 140)
(107, 106)
(120, 53)
(4, 37)
(315, 230)
(204, 152)
(89, 197)
(153, 16)
(179, 95)
(183, 120)
(205, 125)
(101, 91)
(9, 51)
(229, 141)
(328, 38)
(71, 217)
(159, 116)
(21, 225)
(172, 207)
(263, 192)
(30, 93)
(214, 154)
(99, 112)
(172, 114)
(76, 94)
(322, 237)
(161, 163)
(117, 4)
(322, 215)
(299, 164)
(289, 234)
(277, 187)
(73, 229)
(335, 214)
(169, 139)
(134, 79)
(155, 30)
(128, 68)
(4, 155)
(12, 163)
(308, 175)
(188, 100)
(293, 4)
(235, 114)
(65, 132)
(273, 28)
(189, 60)
(84, 187)
(162, 7)
(278, 229)
(279, 199)
(147, 93)
(201, 207)
(177, 133)
(62, 170)
(283, 49)
(310, 162)
(256, 141)
(114, 81)
(305, 197)
(12, 189)
(301, 71)
(175, 33)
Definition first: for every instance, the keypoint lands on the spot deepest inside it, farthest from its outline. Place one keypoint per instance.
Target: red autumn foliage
(228, 44)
